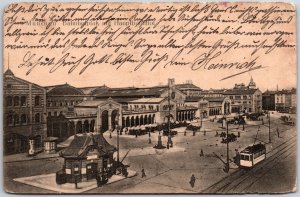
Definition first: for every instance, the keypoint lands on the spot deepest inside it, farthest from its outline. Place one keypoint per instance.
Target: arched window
(37, 117)
(23, 100)
(10, 119)
(9, 101)
(16, 119)
(16, 101)
(23, 118)
(37, 100)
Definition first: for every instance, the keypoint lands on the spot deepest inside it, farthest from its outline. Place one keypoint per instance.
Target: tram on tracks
(252, 155)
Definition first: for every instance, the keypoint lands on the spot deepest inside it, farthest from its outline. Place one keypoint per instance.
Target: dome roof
(251, 83)
(65, 89)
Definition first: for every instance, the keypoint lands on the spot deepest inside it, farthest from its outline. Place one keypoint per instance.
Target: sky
(137, 79)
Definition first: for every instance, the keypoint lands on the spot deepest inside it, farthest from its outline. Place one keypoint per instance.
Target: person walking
(193, 180)
(98, 178)
(143, 173)
(201, 153)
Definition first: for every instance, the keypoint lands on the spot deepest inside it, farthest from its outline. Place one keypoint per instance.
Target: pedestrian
(278, 134)
(204, 133)
(201, 153)
(98, 178)
(143, 173)
(239, 134)
(184, 133)
(217, 134)
(76, 180)
(193, 180)
(237, 157)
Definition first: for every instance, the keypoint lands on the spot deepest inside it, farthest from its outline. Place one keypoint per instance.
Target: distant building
(189, 89)
(285, 100)
(268, 100)
(213, 93)
(24, 113)
(61, 99)
(242, 98)
(210, 106)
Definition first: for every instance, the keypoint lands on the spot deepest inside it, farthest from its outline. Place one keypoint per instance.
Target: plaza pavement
(48, 181)
(169, 170)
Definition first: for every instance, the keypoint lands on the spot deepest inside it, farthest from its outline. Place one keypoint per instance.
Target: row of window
(21, 101)
(143, 107)
(16, 119)
(166, 107)
(240, 97)
(55, 113)
(61, 103)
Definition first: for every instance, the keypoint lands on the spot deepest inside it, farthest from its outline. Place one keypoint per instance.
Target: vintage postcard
(149, 98)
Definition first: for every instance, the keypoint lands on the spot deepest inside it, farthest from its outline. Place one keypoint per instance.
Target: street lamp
(269, 127)
(227, 144)
(118, 140)
(149, 135)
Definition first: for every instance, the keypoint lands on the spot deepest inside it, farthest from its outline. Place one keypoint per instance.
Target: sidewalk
(24, 157)
(48, 181)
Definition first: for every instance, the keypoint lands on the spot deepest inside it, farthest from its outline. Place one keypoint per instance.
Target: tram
(252, 155)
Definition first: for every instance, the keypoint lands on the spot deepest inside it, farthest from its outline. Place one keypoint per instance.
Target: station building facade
(64, 110)
(24, 113)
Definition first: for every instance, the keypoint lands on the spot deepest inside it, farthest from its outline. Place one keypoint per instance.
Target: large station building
(64, 110)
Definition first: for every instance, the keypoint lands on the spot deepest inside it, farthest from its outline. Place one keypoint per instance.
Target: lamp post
(169, 123)
(149, 136)
(270, 128)
(227, 144)
(118, 140)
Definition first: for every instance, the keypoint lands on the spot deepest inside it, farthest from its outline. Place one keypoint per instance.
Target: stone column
(68, 128)
(75, 126)
(82, 126)
(98, 121)
(109, 120)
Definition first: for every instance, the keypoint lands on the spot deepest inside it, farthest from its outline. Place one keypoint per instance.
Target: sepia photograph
(149, 98)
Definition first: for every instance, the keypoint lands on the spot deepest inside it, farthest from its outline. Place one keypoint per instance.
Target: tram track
(237, 178)
(239, 186)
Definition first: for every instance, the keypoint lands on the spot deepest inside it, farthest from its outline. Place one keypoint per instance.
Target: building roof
(93, 90)
(269, 92)
(240, 91)
(215, 91)
(77, 147)
(215, 99)
(193, 98)
(187, 86)
(9, 73)
(132, 92)
(284, 91)
(91, 103)
(63, 89)
(148, 100)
